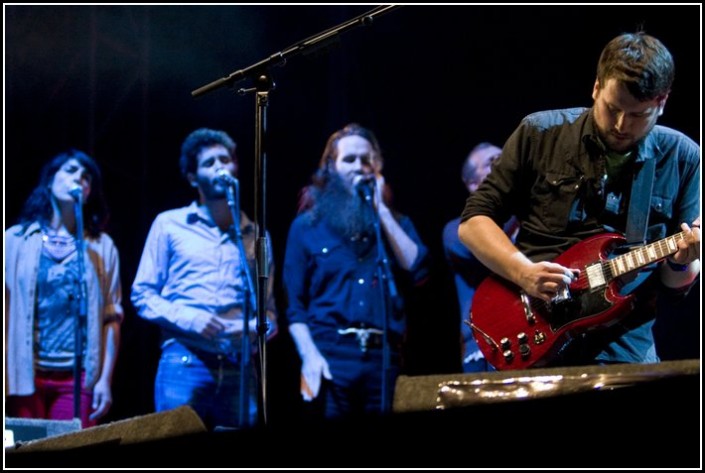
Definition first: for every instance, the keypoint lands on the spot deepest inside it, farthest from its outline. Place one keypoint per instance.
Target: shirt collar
(194, 215)
(645, 148)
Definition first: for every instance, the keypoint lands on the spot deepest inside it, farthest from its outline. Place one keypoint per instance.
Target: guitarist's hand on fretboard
(689, 245)
(683, 266)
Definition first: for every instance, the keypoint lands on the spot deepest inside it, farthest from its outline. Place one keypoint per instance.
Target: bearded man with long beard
(349, 260)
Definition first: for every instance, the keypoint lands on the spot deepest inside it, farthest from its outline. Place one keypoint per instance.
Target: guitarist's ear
(662, 104)
(596, 89)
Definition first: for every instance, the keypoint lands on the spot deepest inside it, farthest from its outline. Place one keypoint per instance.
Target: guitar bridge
(563, 295)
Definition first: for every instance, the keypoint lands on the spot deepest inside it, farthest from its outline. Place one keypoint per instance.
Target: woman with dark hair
(43, 291)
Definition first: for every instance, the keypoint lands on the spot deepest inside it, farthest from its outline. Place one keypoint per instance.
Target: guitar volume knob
(508, 355)
(522, 338)
(524, 350)
(505, 343)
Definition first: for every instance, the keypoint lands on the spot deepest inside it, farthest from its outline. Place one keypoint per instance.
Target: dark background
(431, 81)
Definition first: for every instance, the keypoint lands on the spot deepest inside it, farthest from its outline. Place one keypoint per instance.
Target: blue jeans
(356, 387)
(473, 359)
(208, 382)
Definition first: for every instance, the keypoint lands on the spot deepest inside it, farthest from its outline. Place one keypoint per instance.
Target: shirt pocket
(555, 195)
(328, 260)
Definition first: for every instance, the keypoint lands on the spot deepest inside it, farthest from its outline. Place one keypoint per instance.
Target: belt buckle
(362, 334)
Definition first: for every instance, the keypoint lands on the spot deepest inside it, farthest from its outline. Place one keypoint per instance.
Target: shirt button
(324, 250)
(361, 281)
(362, 303)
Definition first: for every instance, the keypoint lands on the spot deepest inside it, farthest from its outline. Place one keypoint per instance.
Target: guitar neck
(645, 255)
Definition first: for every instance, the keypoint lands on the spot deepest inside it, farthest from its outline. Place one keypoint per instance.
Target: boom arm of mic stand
(305, 46)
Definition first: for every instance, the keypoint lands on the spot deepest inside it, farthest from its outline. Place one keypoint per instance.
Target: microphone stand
(389, 294)
(259, 72)
(249, 305)
(82, 309)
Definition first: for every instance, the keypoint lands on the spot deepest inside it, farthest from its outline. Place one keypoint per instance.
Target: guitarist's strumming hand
(546, 280)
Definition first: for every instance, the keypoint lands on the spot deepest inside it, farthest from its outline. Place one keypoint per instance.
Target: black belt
(212, 357)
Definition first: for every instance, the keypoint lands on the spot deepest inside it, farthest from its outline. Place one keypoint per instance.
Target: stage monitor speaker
(419, 393)
(19, 429)
(161, 425)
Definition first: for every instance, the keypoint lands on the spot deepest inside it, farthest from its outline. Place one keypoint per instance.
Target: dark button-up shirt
(330, 283)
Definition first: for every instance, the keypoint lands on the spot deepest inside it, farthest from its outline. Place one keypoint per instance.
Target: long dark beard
(346, 214)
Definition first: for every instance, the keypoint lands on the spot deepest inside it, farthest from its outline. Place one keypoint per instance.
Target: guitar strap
(640, 203)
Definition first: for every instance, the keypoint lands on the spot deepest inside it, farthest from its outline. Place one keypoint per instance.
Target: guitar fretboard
(647, 254)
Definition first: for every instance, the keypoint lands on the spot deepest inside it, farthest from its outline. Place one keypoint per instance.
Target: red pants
(52, 399)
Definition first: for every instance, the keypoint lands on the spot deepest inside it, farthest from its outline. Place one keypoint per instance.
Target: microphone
(226, 178)
(365, 186)
(77, 193)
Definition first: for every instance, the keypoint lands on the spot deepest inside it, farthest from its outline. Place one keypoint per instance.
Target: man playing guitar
(583, 182)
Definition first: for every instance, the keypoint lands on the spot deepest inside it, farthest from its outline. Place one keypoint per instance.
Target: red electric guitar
(516, 331)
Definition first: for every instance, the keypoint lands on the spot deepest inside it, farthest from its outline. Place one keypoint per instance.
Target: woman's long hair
(38, 208)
